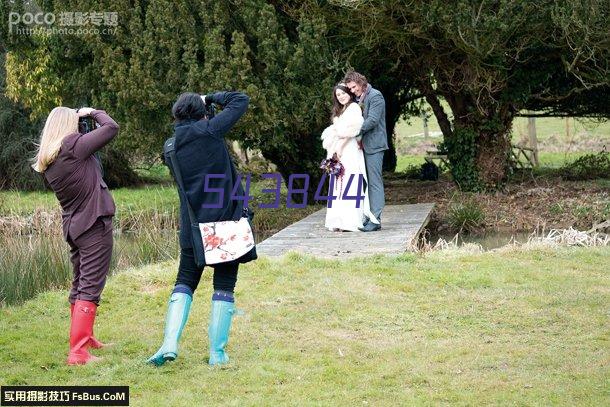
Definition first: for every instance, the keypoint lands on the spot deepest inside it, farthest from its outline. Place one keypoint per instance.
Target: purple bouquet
(332, 166)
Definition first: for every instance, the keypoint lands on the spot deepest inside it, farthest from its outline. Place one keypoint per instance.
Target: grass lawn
(555, 160)
(404, 161)
(500, 328)
(126, 199)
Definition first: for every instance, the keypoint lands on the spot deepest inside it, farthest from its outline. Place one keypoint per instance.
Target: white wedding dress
(343, 214)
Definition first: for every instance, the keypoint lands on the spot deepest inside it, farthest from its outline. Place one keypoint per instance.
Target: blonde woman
(65, 158)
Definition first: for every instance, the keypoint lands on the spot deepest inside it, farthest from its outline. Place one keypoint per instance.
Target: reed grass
(31, 265)
(36, 263)
(34, 257)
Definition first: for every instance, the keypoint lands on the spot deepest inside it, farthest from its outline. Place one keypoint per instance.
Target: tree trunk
(392, 114)
(493, 150)
(439, 113)
(393, 108)
(490, 138)
(478, 145)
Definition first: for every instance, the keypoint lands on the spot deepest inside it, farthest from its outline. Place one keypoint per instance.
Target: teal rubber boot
(218, 330)
(177, 313)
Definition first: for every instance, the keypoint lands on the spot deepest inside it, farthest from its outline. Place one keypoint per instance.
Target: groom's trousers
(374, 166)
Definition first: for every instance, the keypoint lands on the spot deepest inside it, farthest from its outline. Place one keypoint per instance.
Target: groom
(374, 141)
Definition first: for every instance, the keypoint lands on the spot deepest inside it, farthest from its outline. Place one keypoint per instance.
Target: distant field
(546, 127)
(560, 140)
(552, 133)
(547, 159)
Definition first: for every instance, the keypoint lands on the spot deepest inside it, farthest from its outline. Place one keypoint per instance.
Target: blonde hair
(61, 122)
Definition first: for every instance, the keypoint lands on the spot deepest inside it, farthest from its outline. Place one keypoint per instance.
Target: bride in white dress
(346, 122)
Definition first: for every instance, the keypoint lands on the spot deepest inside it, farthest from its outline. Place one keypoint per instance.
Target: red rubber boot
(93, 342)
(81, 332)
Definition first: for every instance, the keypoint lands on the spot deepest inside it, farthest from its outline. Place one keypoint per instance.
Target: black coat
(201, 149)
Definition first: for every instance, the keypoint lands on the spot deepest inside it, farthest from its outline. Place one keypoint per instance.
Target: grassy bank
(498, 328)
(34, 256)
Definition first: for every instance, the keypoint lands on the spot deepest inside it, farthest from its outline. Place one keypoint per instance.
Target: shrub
(413, 171)
(465, 215)
(589, 166)
(18, 134)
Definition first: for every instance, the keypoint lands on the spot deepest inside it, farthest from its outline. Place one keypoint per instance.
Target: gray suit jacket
(373, 132)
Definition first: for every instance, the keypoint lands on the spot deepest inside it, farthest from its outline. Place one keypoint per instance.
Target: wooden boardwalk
(400, 226)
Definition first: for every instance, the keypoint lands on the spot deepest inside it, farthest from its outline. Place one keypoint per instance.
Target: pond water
(488, 240)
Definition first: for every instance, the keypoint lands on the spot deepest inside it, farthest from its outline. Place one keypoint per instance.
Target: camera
(86, 124)
(210, 111)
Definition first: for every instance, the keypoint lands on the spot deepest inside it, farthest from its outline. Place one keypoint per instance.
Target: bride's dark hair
(338, 108)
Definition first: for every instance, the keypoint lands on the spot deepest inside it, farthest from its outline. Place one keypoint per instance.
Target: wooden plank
(401, 226)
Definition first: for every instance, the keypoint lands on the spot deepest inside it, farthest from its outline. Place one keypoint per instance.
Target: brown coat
(75, 177)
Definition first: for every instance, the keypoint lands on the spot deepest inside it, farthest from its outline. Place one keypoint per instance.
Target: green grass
(33, 264)
(547, 127)
(146, 198)
(465, 214)
(551, 133)
(405, 161)
(35, 257)
(556, 160)
(498, 328)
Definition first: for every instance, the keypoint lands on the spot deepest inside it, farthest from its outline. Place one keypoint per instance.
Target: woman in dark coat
(66, 158)
(200, 150)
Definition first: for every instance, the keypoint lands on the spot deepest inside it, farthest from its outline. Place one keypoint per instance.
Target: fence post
(531, 129)
(424, 117)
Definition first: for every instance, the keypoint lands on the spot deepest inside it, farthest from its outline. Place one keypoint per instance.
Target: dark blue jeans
(225, 274)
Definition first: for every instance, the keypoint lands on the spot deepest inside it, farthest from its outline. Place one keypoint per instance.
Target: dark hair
(188, 106)
(353, 76)
(338, 108)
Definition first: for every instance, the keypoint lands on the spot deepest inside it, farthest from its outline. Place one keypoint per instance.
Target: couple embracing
(358, 137)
